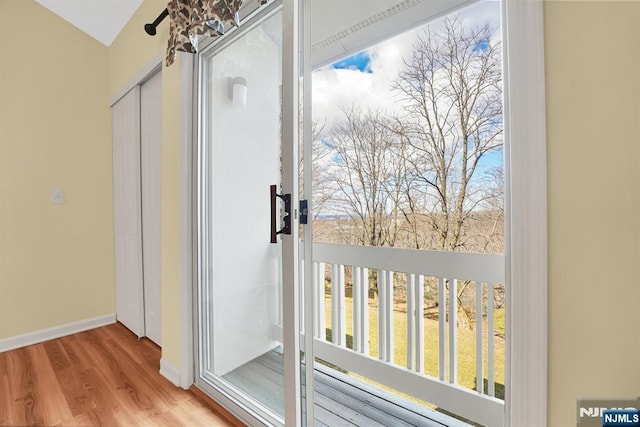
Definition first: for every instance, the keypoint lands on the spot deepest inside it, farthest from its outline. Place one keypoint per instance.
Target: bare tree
(418, 180)
(486, 224)
(452, 86)
(368, 174)
(320, 153)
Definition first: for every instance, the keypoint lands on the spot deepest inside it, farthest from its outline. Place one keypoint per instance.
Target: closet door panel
(151, 149)
(127, 212)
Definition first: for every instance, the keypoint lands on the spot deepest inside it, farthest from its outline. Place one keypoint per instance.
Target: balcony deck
(356, 325)
(340, 400)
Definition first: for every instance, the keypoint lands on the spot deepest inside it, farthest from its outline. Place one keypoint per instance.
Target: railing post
(364, 314)
(479, 367)
(321, 331)
(390, 331)
(360, 294)
(356, 296)
(411, 321)
(382, 314)
(415, 322)
(441, 321)
(314, 275)
(453, 333)
(490, 342)
(419, 304)
(337, 305)
(385, 315)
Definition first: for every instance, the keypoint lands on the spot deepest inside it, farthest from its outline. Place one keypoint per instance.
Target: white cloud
(336, 88)
(333, 88)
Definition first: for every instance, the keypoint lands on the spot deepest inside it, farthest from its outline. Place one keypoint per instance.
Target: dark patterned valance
(192, 18)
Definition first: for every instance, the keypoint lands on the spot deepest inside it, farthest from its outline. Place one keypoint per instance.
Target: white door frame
(189, 220)
(526, 216)
(291, 295)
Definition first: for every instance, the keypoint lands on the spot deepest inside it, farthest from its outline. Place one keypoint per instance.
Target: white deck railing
(408, 376)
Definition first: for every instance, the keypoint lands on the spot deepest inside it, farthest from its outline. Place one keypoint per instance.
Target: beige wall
(56, 261)
(130, 53)
(592, 54)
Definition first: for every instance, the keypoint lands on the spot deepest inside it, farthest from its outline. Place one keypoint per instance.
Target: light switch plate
(57, 196)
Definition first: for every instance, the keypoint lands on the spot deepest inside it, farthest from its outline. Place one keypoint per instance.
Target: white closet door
(151, 149)
(127, 211)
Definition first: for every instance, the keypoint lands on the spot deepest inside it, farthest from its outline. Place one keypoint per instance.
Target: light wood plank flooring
(102, 377)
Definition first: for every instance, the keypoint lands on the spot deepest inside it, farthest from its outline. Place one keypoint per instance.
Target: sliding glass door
(245, 223)
(331, 102)
(405, 270)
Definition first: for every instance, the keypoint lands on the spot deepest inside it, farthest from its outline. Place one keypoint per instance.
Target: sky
(364, 79)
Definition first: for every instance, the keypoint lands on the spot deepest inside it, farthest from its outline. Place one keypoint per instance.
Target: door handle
(286, 228)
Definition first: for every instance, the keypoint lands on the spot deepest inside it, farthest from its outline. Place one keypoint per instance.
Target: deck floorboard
(339, 400)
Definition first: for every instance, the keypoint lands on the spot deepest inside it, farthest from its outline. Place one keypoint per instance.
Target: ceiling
(334, 34)
(101, 19)
(362, 23)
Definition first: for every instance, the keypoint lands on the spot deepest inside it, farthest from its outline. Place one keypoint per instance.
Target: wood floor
(102, 377)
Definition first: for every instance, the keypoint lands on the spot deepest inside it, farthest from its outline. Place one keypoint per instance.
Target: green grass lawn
(466, 345)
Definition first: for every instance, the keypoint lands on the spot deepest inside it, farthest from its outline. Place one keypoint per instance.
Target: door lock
(304, 211)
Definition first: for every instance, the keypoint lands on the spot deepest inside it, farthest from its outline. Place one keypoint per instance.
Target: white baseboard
(170, 372)
(186, 381)
(42, 335)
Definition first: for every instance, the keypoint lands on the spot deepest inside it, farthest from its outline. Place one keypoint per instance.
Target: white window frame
(526, 214)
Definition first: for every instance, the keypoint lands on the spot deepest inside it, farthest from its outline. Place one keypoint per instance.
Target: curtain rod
(151, 28)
